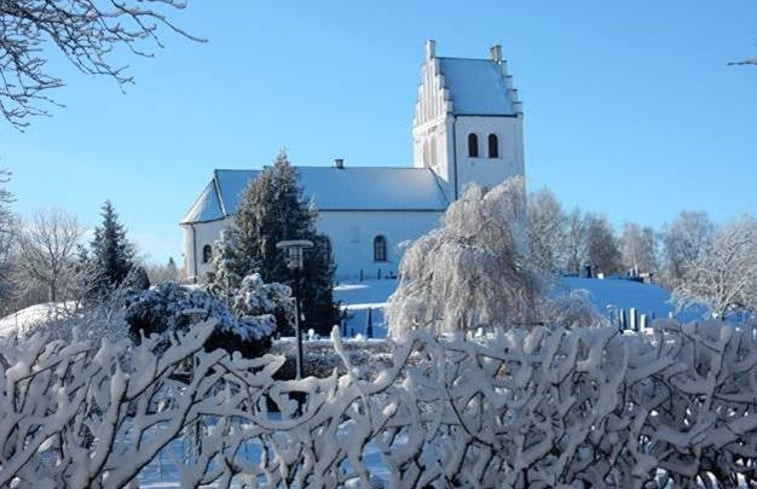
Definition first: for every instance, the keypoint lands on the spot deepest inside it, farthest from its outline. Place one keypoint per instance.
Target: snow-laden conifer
(112, 253)
(272, 209)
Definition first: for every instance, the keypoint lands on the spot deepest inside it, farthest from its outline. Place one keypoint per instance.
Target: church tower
(468, 121)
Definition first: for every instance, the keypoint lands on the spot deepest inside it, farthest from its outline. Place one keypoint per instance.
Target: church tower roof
(475, 87)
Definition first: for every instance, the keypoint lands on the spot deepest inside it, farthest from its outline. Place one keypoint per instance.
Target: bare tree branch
(87, 32)
(47, 246)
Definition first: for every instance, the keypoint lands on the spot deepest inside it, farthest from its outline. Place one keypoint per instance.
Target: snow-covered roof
(207, 207)
(476, 86)
(332, 189)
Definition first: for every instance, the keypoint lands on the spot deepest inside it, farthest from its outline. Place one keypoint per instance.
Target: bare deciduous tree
(547, 233)
(47, 247)
(724, 278)
(637, 247)
(601, 245)
(6, 240)
(86, 32)
(163, 273)
(683, 242)
(575, 240)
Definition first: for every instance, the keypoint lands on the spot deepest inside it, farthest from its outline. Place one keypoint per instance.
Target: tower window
(473, 145)
(207, 253)
(493, 146)
(379, 248)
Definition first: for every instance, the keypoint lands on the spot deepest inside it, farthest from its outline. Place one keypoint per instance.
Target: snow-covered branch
(526, 408)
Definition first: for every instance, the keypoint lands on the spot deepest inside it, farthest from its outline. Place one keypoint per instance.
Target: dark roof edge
(381, 210)
(512, 116)
(346, 167)
(189, 223)
(219, 195)
(442, 192)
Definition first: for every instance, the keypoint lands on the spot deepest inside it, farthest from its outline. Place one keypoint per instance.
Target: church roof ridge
(365, 188)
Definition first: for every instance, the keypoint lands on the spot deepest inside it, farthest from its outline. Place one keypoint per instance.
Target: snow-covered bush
(562, 408)
(255, 298)
(76, 415)
(570, 309)
(171, 307)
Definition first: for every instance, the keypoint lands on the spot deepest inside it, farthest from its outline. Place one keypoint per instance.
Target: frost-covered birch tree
(724, 276)
(474, 270)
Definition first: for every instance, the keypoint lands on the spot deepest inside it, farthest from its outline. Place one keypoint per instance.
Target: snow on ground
(607, 295)
(612, 294)
(363, 303)
(26, 319)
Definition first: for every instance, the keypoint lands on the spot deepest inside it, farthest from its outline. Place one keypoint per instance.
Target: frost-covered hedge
(525, 409)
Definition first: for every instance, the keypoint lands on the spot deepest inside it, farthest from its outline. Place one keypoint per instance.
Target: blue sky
(630, 107)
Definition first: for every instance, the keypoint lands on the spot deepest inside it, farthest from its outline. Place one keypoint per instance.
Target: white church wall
(484, 170)
(352, 234)
(196, 236)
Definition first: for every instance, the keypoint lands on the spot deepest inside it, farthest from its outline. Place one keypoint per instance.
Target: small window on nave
(207, 253)
(379, 248)
(493, 146)
(473, 145)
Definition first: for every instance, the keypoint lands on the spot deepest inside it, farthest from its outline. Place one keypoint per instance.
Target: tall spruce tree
(271, 209)
(112, 254)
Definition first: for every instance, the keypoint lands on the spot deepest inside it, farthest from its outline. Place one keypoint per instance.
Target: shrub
(257, 313)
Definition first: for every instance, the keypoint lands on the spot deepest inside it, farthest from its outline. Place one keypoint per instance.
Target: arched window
(379, 248)
(493, 146)
(207, 253)
(473, 145)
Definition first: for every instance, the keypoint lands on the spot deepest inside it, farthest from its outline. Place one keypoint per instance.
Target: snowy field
(608, 296)
(26, 319)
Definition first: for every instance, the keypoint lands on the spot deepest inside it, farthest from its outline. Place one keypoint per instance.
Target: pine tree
(112, 254)
(271, 209)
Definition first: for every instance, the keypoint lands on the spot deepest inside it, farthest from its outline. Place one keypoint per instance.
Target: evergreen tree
(112, 254)
(271, 209)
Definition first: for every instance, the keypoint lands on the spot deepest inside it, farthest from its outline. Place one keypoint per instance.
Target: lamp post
(294, 259)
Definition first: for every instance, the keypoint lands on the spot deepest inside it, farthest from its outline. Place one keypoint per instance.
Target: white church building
(467, 127)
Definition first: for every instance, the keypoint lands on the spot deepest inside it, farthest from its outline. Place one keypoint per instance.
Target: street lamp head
(294, 249)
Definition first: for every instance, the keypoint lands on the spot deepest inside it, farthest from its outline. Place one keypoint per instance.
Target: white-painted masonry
(457, 97)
